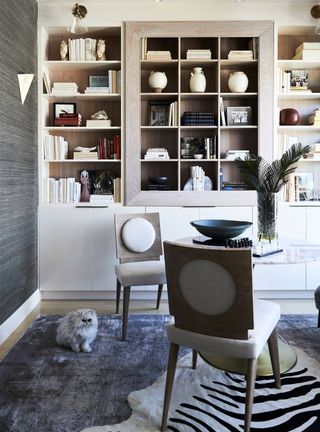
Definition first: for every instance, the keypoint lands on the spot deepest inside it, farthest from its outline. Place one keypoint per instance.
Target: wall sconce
(78, 26)
(25, 81)
(315, 13)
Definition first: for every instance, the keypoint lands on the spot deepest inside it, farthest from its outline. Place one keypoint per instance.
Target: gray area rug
(46, 388)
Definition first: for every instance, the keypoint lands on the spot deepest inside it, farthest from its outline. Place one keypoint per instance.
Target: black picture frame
(239, 116)
(60, 107)
(159, 113)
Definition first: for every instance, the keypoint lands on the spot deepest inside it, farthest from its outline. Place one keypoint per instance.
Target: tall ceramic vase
(267, 217)
(197, 81)
(238, 82)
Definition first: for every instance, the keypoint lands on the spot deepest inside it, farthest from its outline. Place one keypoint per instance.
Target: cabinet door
(65, 243)
(104, 247)
(313, 236)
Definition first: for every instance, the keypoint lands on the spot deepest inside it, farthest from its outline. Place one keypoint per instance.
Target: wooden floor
(107, 307)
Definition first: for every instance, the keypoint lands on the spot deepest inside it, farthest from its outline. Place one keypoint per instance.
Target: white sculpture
(101, 49)
(100, 115)
(84, 149)
(64, 50)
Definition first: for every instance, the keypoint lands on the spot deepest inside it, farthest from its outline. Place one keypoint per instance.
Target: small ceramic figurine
(85, 193)
(64, 50)
(100, 115)
(101, 49)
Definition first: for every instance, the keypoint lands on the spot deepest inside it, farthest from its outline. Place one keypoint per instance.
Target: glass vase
(267, 217)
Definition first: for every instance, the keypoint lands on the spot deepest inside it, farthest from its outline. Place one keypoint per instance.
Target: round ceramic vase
(157, 81)
(197, 81)
(238, 82)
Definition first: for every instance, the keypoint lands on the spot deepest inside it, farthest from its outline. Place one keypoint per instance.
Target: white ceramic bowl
(198, 156)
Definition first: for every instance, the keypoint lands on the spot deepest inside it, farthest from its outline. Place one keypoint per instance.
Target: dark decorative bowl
(289, 117)
(220, 229)
(158, 180)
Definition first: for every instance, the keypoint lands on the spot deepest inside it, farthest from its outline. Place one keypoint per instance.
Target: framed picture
(305, 185)
(63, 108)
(239, 116)
(159, 113)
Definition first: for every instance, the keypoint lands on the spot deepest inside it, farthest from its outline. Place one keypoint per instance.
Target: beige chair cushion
(266, 316)
(138, 235)
(141, 273)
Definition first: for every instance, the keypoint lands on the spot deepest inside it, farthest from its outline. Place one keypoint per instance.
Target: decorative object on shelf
(159, 113)
(101, 50)
(314, 118)
(220, 230)
(25, 81)
(198, 156)
(157, 81)
(197, 81)
(157, 153)
(101, 182)
(289, 117)
(315, 13)
(85, 153)
(268, 179)
(237, 154)
(78, 25)
(85, 192)
(160, 180)
(238, 82)
(64, 50)
(63, 108)
(241, 54)
(198, 54)
(243, 242)
(198, 180)
(99, 119)
(239, 116)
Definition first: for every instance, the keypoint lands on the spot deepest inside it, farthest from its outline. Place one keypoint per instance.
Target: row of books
(61, 190)
(206, 146)
(198, 54)
(82, 49)
(240, 55)
(55, 148)
(307, 51)
(314, 154)
(234, 186)
(284, 143)
(197, 178)
(314, 118)
(295, 80)
(110, 148)
(191, 118)
(109, 83)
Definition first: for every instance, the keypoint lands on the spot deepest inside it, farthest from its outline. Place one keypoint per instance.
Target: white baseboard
(13, 322)
(99, 295)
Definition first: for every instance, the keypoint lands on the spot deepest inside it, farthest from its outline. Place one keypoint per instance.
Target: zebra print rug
(209, 400)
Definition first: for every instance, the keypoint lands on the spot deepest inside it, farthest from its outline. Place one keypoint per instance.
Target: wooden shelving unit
(86, 104)
(220, 37)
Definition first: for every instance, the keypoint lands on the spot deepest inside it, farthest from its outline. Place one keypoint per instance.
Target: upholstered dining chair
(138, 248)
(211, 300)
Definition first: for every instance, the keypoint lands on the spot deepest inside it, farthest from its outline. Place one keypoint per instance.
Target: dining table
(286, 252)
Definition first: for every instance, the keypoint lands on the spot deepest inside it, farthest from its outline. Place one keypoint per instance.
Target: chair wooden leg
(126, 299)
(160, 287)
(251, 379)
(118, 296)
(194, 358)
(172, 363)
(274, 355)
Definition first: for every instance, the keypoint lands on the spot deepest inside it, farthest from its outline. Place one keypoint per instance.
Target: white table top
(294, 252)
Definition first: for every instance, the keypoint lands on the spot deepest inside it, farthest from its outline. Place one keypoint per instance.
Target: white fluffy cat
(77, 330)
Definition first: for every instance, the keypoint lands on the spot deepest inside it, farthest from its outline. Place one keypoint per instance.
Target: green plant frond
(250, 168)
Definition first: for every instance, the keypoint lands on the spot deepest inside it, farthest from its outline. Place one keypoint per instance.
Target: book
(98, 123)
(222, 113)
(309, 54)
(85, 155)
(308, 46)
(67, 121)
(46, 81)
(99, 81)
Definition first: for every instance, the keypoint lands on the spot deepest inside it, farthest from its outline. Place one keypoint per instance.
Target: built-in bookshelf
(84, 85)
(299, 53)
(198, 136)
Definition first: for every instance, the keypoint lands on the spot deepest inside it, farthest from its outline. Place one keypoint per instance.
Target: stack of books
(158, 55)
(110, 83)
(103, 200)
(237, 154)
(62, 88)
(199, 54)
(55, 147)
(98, 123)
(157, 154)
(240, 55)
(307, 51)
(234, 186)
(315, 153)
(68, 119)
(314, 119)
(190, 118)
(85, 155)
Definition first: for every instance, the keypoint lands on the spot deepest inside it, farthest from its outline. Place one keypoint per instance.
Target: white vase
(238, 82)
(157, 81)
(197, 81)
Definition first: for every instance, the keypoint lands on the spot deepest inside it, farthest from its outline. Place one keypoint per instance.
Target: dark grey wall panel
(18, 156)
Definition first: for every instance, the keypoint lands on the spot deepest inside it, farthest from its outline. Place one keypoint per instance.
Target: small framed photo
(159, 113)
(63, 108)
(239, 116)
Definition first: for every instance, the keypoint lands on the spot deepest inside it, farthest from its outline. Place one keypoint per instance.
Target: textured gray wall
(18, 155)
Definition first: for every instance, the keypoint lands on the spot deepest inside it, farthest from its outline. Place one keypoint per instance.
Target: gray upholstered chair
(317, 301)
(211, 300)
(139, 247)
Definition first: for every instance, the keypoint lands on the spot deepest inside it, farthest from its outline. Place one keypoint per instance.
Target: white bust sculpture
(101, 49)
(64, 50)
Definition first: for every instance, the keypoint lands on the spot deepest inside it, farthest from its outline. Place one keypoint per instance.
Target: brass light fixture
(315, 13)
(78, 26)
